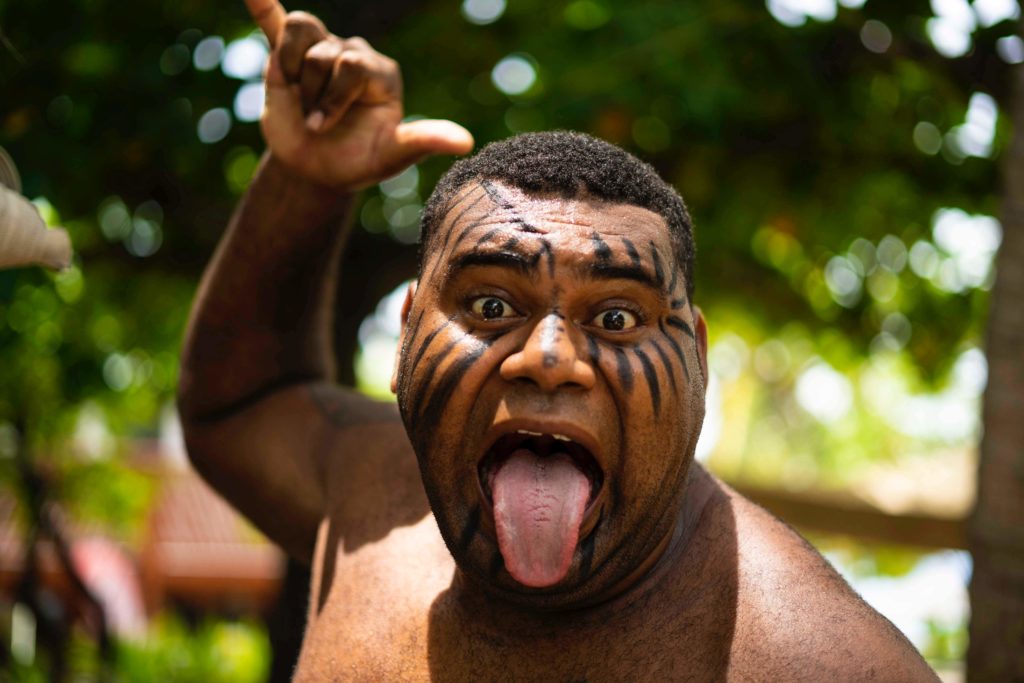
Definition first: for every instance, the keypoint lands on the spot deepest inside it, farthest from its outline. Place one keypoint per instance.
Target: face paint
(536, 326)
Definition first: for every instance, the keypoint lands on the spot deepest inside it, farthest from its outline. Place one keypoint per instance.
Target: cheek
(437, 373)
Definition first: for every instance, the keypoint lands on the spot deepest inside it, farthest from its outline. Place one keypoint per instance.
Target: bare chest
(385, 611)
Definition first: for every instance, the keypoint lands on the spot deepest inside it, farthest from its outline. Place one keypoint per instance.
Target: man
(540, 517)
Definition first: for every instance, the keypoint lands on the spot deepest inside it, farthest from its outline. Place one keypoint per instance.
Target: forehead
(491, 210)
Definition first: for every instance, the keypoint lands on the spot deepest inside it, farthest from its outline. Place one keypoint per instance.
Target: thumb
(418, 139)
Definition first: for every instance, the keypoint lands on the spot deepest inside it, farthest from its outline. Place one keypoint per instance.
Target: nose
(549, 358)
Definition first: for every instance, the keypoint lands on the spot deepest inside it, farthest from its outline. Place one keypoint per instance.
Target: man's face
(551, 379)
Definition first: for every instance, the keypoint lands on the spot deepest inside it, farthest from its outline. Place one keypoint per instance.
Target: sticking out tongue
(538, 507)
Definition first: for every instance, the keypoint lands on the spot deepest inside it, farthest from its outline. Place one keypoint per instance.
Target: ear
(406, 307)
(700, 334)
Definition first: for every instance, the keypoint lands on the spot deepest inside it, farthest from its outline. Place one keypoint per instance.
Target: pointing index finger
(270, 16)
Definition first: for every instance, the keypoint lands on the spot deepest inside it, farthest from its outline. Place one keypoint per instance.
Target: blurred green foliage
(813, 166)
(210, 652)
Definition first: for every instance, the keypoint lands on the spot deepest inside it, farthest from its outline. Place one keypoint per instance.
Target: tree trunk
(996, 651)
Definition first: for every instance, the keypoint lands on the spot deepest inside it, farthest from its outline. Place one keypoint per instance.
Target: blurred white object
(24, 238)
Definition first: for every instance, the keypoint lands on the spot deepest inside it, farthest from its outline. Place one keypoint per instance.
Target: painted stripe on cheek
(668, 366)
(680, 324)
(624, 370)
(426, 344)
(675, 347)
(438, 401)
(652, 379)
(469, 531)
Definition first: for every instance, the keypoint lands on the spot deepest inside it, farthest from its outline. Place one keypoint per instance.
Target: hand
(334, 106)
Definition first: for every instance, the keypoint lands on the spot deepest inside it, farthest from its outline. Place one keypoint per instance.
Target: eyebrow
(609, 271)
(504, 258)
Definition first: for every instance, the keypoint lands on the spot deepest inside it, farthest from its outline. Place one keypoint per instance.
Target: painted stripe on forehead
(545, 250)
(634, 255)
(480, 195)
(487, 235)
(601, 249)
(495, 194)
(652, 379)
(504, 202)
(659, 271)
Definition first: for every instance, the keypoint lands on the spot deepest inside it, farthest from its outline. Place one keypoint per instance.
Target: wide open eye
(492, 308)
(614, 320)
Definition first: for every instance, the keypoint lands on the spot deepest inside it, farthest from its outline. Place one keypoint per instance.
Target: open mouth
(544, 446)
(542, 491)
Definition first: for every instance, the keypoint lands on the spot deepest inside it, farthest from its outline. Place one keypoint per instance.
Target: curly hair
(568, 164)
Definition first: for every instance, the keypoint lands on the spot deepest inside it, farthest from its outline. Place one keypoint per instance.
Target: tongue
(538, 508)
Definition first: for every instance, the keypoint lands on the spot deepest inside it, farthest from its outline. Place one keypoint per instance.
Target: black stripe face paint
(667, 364)
(545, 250)
(634, 255)
(652, 379)
(659, 272)
(675, 347)
(680, 324)
(409, 366)
(470, 530)
(602, 251)
(624, 370)
(478, 194)
(442, 392)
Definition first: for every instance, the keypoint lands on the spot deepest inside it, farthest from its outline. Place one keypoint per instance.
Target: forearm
(261, 319)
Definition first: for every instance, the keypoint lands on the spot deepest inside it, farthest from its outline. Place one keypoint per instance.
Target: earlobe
(406, 308)
(700, 332)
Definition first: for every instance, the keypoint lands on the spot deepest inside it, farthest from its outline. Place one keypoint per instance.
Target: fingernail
(315, 120)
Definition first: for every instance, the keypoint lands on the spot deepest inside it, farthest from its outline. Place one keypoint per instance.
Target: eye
(492, 308)
(615, 320)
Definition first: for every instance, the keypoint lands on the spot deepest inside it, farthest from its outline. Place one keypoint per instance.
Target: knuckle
(324, 51)
(358, 43)
(299, 18)
(353, 62)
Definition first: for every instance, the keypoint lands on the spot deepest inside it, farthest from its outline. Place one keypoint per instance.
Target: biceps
(264, 461)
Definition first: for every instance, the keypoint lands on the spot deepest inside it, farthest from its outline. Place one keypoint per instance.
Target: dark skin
(561, 317)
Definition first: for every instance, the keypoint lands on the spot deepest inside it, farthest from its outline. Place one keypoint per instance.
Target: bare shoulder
(798, 620)
(371, 477)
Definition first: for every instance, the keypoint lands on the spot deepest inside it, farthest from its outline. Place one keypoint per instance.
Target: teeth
(561, 437)
(526, 431)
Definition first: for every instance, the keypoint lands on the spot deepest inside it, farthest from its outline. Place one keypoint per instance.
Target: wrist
(298, 184)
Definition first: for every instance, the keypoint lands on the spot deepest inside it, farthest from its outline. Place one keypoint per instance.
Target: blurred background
(842, 161)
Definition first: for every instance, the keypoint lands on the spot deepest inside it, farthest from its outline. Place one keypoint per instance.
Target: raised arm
(258, 345)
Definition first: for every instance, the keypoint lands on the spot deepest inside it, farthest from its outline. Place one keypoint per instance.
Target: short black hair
(569, 164)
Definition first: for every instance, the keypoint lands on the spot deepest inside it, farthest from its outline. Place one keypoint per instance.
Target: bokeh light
(514, 75)
(482, 12)
(245, 58)
(214, 125)
(208, 53)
